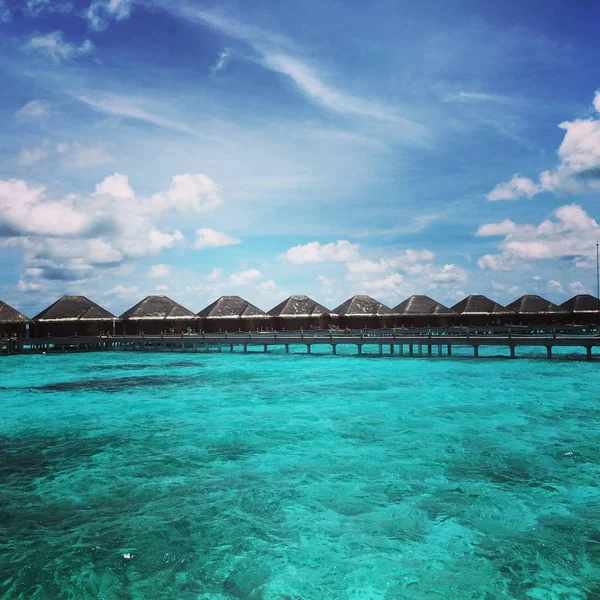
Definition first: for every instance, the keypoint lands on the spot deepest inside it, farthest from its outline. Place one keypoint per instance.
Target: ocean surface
(272, 476)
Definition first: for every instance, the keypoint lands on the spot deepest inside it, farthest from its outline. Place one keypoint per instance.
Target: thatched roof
(74, 308)
(154, 308)
(8, 314)
(299, 306)
(476, 304)
(532, 304)
(582, 303)
(420, 306)
(362, 306)
(231, 307)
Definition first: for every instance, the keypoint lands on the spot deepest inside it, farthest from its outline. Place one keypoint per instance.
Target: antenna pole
(597, 272)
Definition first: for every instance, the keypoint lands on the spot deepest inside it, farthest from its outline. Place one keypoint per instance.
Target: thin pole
(597, 272)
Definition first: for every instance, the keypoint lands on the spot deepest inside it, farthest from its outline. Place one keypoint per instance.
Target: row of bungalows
(77, 315)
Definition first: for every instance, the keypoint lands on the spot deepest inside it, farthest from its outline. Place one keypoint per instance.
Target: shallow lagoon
(266, 476)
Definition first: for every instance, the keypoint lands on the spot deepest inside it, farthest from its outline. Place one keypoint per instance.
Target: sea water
(273, 476)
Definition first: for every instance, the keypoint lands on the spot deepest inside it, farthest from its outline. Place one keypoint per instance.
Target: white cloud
(577, 287)
(101, 12)
(515, 188)
(316, 89)
(117, 186)
(209, 238)
(315, 252)
(28, 158)
(578, 170)
(492, 229)
(62, 147)
(159, 271)
(24, 210)
(450, 273)
(267, 288)
(190, 192)
(162, 288)
(34, 109)
(572, 233)
(54, 46)
(555, 286)
(245, 277)
(537, 278)
(72, 236)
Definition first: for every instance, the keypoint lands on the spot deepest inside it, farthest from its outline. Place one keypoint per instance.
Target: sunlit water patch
(273, 476)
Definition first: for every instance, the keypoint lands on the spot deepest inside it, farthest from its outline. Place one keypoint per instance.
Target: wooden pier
(390, 342)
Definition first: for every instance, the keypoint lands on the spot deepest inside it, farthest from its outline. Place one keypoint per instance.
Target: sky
(269, 148)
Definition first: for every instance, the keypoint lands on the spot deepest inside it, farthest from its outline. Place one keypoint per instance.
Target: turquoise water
(266, 476)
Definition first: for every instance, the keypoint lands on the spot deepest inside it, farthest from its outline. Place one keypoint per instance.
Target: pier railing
(420, 342)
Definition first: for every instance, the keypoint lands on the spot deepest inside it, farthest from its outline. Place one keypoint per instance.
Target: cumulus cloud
(555, 286)
(54, 45)
(315, 252)
(34, 109)
(577, 287)
(514, 189)
(209, 238)
(71, 236)
(571, 234)
(492, 229)
(117, 186)
(578, 170)
(190, 192)
(245, 277)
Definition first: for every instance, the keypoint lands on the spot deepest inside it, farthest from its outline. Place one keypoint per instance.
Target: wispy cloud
(54, 45)
(34, 109)
(5, 14)
(222, 60)
(123, 106)
(101, 12)
(274, 52)
(471, 97)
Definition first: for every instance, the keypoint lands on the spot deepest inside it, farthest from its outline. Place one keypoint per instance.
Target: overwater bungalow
(232, 313)
(423, 311)
(583, 308)
(72, 315)
(12, 322)
(155, 315)
(301, 312)
(533, 310)
(363, 312)
(476, 310)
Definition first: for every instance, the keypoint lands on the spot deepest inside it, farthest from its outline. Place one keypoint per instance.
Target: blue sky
(271, 148)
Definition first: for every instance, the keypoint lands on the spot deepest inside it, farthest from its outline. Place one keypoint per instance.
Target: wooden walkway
(399, 343)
